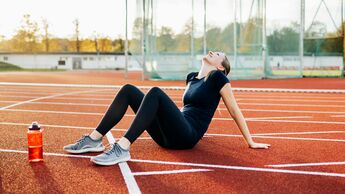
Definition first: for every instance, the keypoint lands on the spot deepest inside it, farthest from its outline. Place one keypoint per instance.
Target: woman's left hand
(259, 145)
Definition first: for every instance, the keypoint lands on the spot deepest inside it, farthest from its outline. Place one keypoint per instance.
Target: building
(70, 61)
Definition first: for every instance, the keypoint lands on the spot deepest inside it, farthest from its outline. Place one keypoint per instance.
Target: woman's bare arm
(235, 112)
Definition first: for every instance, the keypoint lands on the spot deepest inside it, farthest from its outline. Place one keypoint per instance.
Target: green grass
(308, 73)
(5, 67)
(8, 67)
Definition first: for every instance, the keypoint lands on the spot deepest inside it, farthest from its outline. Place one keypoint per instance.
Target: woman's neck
(205, 70)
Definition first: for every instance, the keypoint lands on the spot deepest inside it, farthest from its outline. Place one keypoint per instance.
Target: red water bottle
(35, 144)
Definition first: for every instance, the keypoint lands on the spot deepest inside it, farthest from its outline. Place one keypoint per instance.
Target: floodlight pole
(205, 27)
(343, 34)
(301, 38)
(143, 48)
(192, 39)
(235, 33)
(264, 41)
(126, 43)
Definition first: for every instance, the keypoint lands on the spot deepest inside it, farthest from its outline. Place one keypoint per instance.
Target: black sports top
(201, 99)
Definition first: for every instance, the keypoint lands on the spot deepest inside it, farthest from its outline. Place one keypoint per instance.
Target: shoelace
(115, 148)
(81, 140)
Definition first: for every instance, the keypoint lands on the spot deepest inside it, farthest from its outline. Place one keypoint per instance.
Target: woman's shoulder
(218, 79)
(191, 76)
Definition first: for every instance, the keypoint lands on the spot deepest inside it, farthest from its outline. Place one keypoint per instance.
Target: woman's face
(215, 59)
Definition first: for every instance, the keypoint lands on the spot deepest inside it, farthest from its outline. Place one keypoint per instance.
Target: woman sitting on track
(160, 117)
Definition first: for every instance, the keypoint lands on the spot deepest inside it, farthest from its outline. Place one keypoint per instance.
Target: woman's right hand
(259, 145)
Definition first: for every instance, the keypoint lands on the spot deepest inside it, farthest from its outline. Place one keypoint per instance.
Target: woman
(160, 117)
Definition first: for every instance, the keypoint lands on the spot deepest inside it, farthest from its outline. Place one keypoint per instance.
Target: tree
(213, 37)
(25, 39)
(165, 40)
(183, 39)
(250, 35)
(137, 28)
(227, 38)
(135, 43)
(119, 45)
(77, 31)
(88, 45)
(284, 41)
(46, 34)
(316, 29)
(3, 43)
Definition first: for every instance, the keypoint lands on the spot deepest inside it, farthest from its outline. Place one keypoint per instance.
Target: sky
(107, 17)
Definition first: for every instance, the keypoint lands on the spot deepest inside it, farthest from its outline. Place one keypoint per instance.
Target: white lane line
(301, 138)
(206, 134)
(169, 172)
(283, 121)
(132, 115)
(240, 94)
(299, 105)
(60, 103)
(44, 97)
(45, 153)
(107, 104)
(286, 99)
(243, 168)
(29, 93)
(62, 98)
(56, 126)
(275, 137)
(177, 97)
(261, 118)
(132, 185)
(288, 90)
(240, 97)
(85, 85)
(177, 100)
(272, 170)
(300, 133)
(243, 109)
(337, 116)
(215, 118)
(306, 164)
(295, 121)
(53, 112)
(289, 111)
(174, 87)
(36, 89)
(262, 110)
(284, 96)
(287, 117)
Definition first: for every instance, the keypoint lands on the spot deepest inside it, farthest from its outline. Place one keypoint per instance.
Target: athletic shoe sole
(109, 163)
(85, 150)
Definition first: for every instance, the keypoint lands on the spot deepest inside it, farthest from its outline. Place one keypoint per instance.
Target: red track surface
(301, 127)
(117, 78)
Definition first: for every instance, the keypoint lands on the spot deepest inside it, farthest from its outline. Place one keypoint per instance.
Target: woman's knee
(155, 91)
(130, 91)
(127, 87)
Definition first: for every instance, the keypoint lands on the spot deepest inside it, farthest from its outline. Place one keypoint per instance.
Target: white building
(69, 61)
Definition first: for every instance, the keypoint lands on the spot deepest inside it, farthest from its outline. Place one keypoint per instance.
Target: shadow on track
(44, 178)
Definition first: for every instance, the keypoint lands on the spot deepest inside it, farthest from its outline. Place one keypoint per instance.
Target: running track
(306, 131)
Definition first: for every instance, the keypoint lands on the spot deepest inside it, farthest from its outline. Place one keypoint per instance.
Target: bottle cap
(34, 126)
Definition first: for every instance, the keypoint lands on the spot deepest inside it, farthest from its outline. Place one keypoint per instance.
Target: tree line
(28, 39)
(282, 41)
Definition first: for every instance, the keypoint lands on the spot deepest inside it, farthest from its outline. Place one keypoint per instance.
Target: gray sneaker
(113, 156)
(85, 144)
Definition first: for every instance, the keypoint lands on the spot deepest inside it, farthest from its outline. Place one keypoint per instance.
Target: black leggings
(155, 112)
